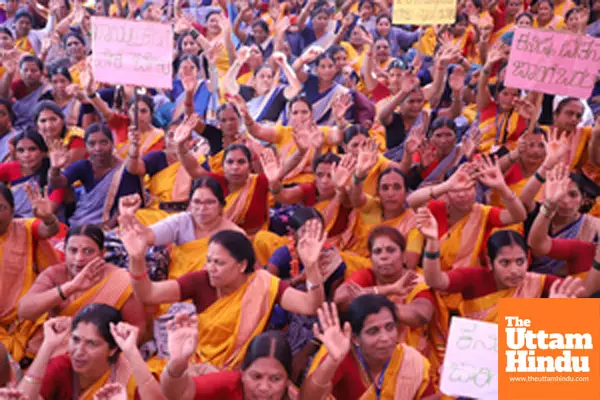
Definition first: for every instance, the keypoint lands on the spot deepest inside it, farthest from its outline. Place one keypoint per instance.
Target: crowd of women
(301, 216)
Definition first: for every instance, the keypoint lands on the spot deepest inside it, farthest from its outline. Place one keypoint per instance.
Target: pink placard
(553, 62)
(136, 53)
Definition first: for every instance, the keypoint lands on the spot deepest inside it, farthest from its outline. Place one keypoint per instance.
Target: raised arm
(238, 21)
(366, 160)
(309, 248)
(294, 86)
(59, 157)
(258, 131)
(11, 65)
(556, 187)
(337, 341)
(427, 225)
(273, 170)
(183, 134)
(56, 331)
(307, 57)
(43, 209)
(305, 13)
(460, 180)
(134, 163)
(409, 84)
(175, 382)
(126, 337)
(135, 239)
(87, 81)
(230, 80)
(484, 97)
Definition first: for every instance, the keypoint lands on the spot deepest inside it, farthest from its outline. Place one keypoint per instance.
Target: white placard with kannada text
(471, 363)
(137, 53)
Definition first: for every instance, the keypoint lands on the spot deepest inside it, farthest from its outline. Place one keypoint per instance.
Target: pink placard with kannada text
(553, 62)
(137, 53)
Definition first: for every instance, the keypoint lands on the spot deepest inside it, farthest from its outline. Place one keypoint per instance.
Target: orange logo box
(549, 349)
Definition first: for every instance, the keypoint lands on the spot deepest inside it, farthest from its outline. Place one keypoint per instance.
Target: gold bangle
(547, 212)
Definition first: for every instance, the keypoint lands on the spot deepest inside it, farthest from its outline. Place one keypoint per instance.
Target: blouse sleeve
(578, 254)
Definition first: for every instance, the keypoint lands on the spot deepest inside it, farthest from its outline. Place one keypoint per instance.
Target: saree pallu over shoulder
(500, 130)
(406, 377)
(188, 257)
(72, 133)
(122, 374)
(239, 201)
(486, 308)
(322, 104)
(23, 108)
(228, 325)
(148, 140)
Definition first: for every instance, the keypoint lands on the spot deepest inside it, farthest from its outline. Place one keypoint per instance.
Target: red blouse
(220, 385)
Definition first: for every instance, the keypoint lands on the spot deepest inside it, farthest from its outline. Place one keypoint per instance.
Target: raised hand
(470, 142)
(341, 105)
(88, 277)
(302, 137)
(134, 235)
(461, 179)
(12, 394)
(58, 153)
(342, 172)
(474, 19)
(183, 133)
(271, 165)
(525, 108)
(426, 223)
(212, 52)
(403, 286)
(457, 79)
(40, 203)
(56, 330)
(367, 158)
(312, 53)
(279, 58)
(75, 91)
(189, 83)
(111, 391)
(86, 77)
(310, 243)
(183, 337)
(557, 183)
(243, 54)
(409, 83)
(125, 336)
(134, 136)
(336, 340)
(557, 147)
(567, 288)
(489, 173)
(496, 54)
(415, 139)
(129, 204)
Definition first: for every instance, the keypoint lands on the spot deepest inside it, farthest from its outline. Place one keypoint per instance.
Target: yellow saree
(21, 260)
(123, 375)
(228, 325)
(147, 141)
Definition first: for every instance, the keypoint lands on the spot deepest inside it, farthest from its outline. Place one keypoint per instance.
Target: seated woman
(415, 303)
(388, 208)
(24, 253)
(246, 193)
(559, 217)
(52, 125)
(101, 349)
(168, 184)
(192, 94)
(363, 359)
(104, 178)
(84, 278)
(546, 18)
(31, 166)
(7, 131)
(506, 275)
(67, 95)
(191, 230)
(500, 124)
(265, 370)
(266, 98)
(151, 137)
(233, 301)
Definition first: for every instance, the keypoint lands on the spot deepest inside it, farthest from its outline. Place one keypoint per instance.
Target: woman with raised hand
(24, 253)
(84, 278)
(560, 248)
(264, 374)
(266, 98)
(246, 193)
(93, 358)
(362, 359)
(104, 177)
(229, 295)
(505, 276)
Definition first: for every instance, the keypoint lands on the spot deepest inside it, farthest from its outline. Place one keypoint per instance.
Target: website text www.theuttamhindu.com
(549, 378)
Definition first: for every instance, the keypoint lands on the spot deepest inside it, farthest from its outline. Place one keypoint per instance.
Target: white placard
(471, 363)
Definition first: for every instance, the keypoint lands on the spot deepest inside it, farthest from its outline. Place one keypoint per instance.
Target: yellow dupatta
(498, 34)
(20, 260)
(426, 45)
(229, 324)
(188, 257)
(75, 71)
(147, 141)
(489, 130)
(72, 133)
(370, 183)
(123, 375)
(406, 376)
(486, 308)
(239, 201)
(216, 162)
(24, 44)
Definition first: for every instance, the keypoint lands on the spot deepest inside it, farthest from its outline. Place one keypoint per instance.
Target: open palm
(426, 223)
(311, 242)
(331, 334)
(489, 173)
(183, 337)
(271, 165)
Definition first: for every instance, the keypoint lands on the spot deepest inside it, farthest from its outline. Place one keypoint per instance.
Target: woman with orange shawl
(415, 303)
(24, 253)
(247, 194)
(362, 359)
(84, 278)
(505, 277)
(499, 123)
(233, 300)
